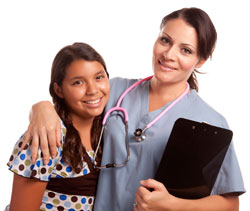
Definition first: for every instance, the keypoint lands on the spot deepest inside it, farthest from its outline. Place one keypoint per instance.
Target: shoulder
(20, 161)
(205, 112)
(117, 87)
(121, 83)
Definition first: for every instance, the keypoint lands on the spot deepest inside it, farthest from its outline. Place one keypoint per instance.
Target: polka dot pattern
(20, 163)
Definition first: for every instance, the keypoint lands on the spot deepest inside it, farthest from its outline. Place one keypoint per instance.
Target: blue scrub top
(117, 186)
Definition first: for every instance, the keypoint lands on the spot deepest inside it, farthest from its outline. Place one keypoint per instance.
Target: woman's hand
(158, 199)
(161, 199)
(44, 129)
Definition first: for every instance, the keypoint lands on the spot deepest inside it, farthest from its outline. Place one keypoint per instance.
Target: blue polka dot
(22, 156)
(26, 173)
(19, 153)
(68, 169)
(28, 152)
(45, 178)
(63, 197)
(85, 171)
(58, 176)
(50, 162)
(32, 167)
(49, 206)
(67, 204)
(16, 161)
(38, 163)
(45, 199)
(83, 200)
(72, 209)
(61, 161)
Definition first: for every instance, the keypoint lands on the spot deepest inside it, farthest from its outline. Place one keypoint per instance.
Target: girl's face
(175, 52)
(85, 89)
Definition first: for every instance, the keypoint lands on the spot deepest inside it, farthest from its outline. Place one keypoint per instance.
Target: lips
(166, 67)
(92, 102)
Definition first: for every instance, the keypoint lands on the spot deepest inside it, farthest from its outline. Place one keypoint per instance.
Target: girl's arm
(26, 193)
(44, 129)
(160, 199)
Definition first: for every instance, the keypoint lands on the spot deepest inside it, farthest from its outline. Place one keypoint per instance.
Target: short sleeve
(229, 179)
(21, 164)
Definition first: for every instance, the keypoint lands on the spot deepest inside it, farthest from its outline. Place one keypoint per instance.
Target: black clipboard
(192, 158)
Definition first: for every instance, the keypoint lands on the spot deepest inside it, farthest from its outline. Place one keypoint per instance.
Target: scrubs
(117, 186)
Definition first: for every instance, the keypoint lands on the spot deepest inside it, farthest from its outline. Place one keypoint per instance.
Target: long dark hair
(73, 150)
(205, 30)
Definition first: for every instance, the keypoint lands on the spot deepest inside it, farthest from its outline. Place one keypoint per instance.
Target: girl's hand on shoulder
(44, 129)
(158, 199)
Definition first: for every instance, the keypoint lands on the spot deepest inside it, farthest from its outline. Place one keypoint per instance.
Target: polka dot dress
(20, 163)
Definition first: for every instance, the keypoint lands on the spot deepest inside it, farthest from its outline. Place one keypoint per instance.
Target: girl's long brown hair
(73, 150)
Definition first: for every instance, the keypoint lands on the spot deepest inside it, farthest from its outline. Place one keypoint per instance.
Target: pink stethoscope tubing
(118, 108)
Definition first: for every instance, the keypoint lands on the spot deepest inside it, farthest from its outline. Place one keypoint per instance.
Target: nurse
(186, 40)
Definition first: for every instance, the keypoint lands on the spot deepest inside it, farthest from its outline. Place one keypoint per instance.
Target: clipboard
(192, 158)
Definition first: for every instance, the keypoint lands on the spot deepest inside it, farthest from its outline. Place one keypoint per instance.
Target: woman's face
(175, 52)
(85, 89)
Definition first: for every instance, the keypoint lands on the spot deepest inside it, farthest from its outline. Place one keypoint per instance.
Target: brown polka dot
(43, 170)
(33, 173)
(60, 208)
(26, 147)
(90, 201)
(51, 194)
(78, 170)
(73, 198)
(11, 158)
(20, 144)
(21, 167)
(58, 167)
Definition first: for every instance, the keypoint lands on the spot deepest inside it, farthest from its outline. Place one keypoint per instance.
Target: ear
(201, 62)
(58, 90)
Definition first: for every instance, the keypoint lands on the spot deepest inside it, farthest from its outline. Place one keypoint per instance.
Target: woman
(80, 90)
(187, 39)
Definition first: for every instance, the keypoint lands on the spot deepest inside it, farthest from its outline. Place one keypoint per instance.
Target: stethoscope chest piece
(139, 135)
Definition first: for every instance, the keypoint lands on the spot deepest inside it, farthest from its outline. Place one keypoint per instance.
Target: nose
(170, 53)
(92, 88)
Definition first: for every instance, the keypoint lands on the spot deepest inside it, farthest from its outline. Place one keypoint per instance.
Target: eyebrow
(81, 77)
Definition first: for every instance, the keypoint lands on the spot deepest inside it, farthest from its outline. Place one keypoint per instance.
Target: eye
(187, 51)
(165, 40)
(99, 77)
(78, 82)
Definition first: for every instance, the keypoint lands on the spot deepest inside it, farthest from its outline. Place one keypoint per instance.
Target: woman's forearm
(210, 203)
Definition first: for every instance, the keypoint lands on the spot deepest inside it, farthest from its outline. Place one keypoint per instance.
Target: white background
(123, 32)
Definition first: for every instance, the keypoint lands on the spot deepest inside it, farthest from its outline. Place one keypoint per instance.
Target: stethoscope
(139, 133)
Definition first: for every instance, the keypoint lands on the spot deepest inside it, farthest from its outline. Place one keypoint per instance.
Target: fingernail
(33, 160)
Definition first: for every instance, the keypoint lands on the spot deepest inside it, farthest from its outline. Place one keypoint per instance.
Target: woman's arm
(160, 199)
(26, 193)
(44, 129)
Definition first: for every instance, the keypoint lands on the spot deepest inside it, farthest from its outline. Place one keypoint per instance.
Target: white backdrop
(123, 32)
